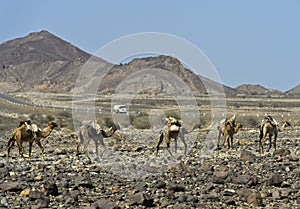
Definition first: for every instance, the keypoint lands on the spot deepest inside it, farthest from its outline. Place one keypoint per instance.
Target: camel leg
(10, 145)
(80, 141)
(226, 139)
(270, 142)
(96, 147)
(102, 142)
(275, 138)
(20, 146)
(219, 137)
(262, 146)
(185, 145)
(175, 141)
(38, 142)
(77, 148)
(231, 141)
(161, 138)
(262, 137)
(30, 149)
(168, 141)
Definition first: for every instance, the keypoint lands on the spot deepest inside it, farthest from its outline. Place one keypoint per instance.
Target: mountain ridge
(42, 61)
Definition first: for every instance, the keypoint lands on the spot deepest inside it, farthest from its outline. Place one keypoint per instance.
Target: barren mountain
(43, 62)
(257, 90)
(151, 69)
(39, 61)
(294, 91)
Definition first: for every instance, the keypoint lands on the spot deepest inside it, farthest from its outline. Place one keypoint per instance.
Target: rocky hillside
(44, 62)
(39, 61)
(294, 91)
(257, 90)
(197, 84)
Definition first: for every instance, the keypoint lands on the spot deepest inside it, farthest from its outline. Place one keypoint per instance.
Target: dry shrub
(248, 121)
(140, 121)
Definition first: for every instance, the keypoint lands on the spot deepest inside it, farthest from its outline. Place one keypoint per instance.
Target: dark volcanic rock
(248, 156)
(104, 203)
(282, 152)
(240, 178)
(175, 187)
(51, 188)
(141, 198)
(12, 186)
(254, 199)
(220, 174)
(275, 180)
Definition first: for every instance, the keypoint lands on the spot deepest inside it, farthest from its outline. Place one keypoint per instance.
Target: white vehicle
(120, 109)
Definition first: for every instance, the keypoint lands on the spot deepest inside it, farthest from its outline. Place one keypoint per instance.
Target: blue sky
(249, 42)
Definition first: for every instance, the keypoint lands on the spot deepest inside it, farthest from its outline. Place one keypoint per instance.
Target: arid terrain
(129, 175)
(41, 80)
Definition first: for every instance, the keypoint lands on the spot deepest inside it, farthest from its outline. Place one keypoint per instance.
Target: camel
(93, 131)
(228, 128)
(173, 130)
(22, 134)
(269, 128)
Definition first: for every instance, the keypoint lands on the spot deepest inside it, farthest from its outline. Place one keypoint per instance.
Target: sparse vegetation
(173, 114)
(140, 121)
(249, 121)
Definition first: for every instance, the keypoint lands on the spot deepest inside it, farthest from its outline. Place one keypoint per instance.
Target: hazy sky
(256, 42)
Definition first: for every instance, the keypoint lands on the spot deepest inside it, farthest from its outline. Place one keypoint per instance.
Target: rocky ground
(128, 175)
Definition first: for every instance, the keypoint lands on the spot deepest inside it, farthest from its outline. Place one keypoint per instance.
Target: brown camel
(173, 130)
(93, 131)
(269, 128)
(228, 128)
(22, 134)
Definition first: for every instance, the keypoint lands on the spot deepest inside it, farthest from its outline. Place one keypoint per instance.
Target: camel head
(237, 127)
(114, 128)
(233, 118)
(52, 124)
(286, 123)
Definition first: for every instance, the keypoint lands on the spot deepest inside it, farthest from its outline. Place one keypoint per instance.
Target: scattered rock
(219, 177)
(11, 186)
(235, 179)
(104, 203)
(141, 198)
(282, 152)
(254, 199)
(275, 180)
(248, 156)
(25, 192)
(51, 188)
(176, 187)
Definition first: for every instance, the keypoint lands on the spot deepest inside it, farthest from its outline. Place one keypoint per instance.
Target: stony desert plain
(128, 174)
